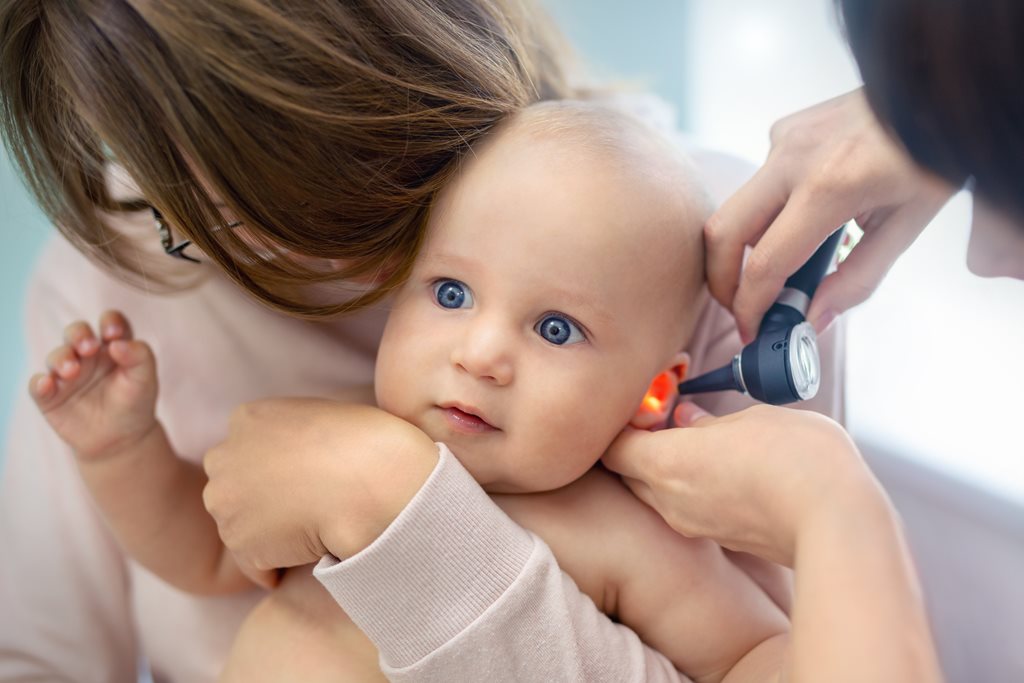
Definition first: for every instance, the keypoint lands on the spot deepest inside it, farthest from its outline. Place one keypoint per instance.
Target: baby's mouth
(465, 420)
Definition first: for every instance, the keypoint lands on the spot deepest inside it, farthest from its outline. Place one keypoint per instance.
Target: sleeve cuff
(442, 563)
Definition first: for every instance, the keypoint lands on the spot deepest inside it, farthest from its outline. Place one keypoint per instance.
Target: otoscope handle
(781, 364)
(811, 273)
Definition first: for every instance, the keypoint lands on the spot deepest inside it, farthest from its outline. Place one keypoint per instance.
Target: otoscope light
(658, 393)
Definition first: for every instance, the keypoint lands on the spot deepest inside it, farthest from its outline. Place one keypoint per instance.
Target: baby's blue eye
(452, 294)
(560, 330)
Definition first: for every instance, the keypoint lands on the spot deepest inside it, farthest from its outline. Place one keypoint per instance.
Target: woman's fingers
(273, 484)
(689, 414)
(638, 453)
(829, 164)
(264, 578)
(628, 454)
(801, 227)
(860, 274)
(740, 221)
(640, 489)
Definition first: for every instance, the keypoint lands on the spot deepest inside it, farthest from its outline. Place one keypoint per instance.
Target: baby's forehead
(660, 235)
(597, 129)
(564, 139)
(590, 192)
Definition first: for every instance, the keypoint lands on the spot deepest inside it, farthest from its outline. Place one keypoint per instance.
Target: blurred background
(934, 357)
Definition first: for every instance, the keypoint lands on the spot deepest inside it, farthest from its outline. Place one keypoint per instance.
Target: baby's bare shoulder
(600, 533)
(596, 501)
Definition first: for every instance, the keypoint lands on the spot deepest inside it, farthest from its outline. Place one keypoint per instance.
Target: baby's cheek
(386, 384)
(577, 451)
(388, 399)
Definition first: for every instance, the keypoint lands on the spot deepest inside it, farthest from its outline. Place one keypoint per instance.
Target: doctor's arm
(791, 487)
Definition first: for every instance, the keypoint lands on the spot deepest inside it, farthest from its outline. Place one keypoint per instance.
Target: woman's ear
(660, 398)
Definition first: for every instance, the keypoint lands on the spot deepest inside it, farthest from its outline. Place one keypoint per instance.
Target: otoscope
(781, 365)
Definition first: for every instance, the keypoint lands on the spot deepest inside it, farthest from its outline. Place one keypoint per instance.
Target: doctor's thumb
(688, 414)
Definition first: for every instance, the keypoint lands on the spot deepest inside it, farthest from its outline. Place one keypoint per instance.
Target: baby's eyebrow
(581, 305)
(451, 260)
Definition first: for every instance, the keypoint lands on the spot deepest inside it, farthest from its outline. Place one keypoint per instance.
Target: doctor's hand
(753, 481)
(828, 164)
(297, 478)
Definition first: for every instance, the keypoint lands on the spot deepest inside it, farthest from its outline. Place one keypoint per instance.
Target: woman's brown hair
(947, 78)
(326, 127)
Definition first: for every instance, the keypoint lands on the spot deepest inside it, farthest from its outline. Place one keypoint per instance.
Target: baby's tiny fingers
(79, 335)
(114, 325)
(42, 386)
(64, 362)
(129, 354)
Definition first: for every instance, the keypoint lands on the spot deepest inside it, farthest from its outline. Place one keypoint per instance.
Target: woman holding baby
(332, 127)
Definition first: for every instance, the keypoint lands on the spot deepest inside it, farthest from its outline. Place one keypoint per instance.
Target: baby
(561, 273)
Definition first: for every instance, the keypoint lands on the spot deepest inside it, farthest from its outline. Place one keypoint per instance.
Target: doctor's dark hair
(947, 77)
(325, 127)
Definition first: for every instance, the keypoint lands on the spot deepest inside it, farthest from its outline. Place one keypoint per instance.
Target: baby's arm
(99, 395)
(682, 596)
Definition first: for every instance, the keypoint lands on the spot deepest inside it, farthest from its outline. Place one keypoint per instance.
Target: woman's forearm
(858, 613)
(153, 502)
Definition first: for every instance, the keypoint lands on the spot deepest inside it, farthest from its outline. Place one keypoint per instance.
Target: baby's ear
(661, 395)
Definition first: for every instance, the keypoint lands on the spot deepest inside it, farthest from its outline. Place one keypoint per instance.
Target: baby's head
(562, 271)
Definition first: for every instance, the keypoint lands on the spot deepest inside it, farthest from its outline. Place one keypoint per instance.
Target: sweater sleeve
(455, 590)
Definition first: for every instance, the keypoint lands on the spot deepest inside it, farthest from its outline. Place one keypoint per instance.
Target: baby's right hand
(99, 395)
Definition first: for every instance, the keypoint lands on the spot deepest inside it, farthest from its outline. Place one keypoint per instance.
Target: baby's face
(548, 294)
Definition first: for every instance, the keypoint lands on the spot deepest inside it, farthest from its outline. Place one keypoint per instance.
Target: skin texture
(527, 237)
(535, 416)
(790, 486)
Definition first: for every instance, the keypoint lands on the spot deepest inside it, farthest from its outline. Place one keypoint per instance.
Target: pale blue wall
(643, 42)
(23, 229)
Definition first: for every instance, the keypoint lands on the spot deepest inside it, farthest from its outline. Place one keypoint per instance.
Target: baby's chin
(523, 482)
(491, 468)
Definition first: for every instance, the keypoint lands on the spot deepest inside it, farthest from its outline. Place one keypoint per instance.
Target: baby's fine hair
(325, 127)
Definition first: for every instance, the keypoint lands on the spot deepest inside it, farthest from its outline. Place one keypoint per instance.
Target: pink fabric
(73, 609)
(501, 611)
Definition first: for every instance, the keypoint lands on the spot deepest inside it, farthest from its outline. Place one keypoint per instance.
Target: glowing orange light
(652, 404)
(658, 393)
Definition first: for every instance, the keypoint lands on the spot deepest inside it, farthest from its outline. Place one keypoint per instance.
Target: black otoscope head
(781, 365)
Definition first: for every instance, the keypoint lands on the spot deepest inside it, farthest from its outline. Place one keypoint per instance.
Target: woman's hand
(297, 478)
(789, 486)
(828, 164)
(752, 481)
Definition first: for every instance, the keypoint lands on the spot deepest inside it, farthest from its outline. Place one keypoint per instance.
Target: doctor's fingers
(738, 222)
(810, 215)
(886, 236)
